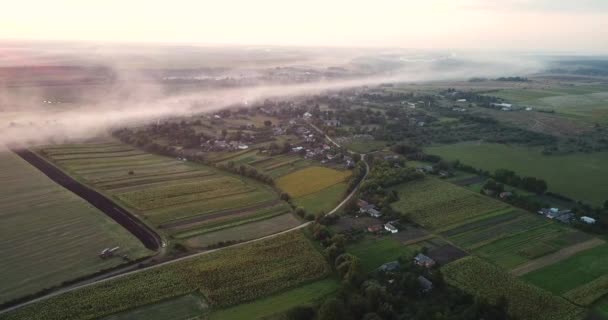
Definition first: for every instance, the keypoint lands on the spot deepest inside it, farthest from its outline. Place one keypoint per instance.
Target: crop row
(588, 293)
(525, 301)
(225, 278)
(442, 214)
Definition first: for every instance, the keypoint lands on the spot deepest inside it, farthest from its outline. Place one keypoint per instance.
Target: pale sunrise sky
(548, 25)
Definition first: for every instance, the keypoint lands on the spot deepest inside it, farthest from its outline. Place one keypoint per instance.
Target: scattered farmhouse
(557, 214)
(368, 208)
(424, 261)
(375, 228)
(389, 266)
(390, 228)
(505, 195)
(587, 220)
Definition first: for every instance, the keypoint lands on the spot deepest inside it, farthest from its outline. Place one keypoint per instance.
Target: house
(425, 284)
(424, 261)
(370, 209)
(243, 147)
(389, 266)
(503, 105)
(565, 217)
(375, 228)
(505, 195)
(390, 228)
(374, 213)
(307, 115)
(444, 174)
(587, 220)
(362, 203)
(461, 100)
(528, 109)
(332, 123)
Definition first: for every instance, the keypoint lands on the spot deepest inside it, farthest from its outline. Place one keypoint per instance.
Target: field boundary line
(555, 257)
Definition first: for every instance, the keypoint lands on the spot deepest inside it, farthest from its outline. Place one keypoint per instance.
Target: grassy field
(579, 176)
(186, 307)
(579, 270)
(279, 303)
(375, 252)
(247, 231)
(322, 201)
(160, 189)
(224, 278)
(49, 235)
(525, 301)
(366, 146)
(439, 205)
(310, 180)
(585, 102)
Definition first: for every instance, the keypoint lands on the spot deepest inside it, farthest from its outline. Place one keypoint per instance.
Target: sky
(579, 26)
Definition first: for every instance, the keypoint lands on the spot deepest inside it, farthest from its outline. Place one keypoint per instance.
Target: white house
(587, 220)
(390, 228)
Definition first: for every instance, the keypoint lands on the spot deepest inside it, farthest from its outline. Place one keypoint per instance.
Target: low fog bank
(28, 119)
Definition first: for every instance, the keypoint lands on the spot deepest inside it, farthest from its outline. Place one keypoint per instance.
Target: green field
(525, 301)
(439, 205)
(579, 176)
(224, 278)
(589, 103)
(252, 230)
(187, 307)
(49, 235)
(375, 252)
(322, 201)
(576, 271)
(279, 303)
(366, 146)
(159, 189)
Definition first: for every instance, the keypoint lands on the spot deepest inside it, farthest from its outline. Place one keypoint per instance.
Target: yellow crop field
(310, 180)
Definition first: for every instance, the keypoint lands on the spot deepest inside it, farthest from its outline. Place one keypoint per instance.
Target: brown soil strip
(556, 257)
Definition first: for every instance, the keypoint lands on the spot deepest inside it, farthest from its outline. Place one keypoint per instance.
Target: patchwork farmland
(63, 233)
(528, 257)
(223, 279)
(181, 198)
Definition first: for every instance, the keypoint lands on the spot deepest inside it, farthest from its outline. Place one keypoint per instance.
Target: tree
(267, 123)
(300, 313)
(333, 309)
(606, 204)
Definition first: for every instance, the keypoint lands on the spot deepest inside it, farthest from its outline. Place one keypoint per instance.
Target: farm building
(390, 266)
(375, 228)
(332, 123)
(587, 220)
(425, 284)
(505, 195)
(390, 228)
(424, 261)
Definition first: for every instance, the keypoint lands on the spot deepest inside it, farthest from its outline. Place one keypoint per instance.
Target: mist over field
(117, 87)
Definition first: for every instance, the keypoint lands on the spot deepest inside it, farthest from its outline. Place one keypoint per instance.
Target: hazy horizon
(513, 25)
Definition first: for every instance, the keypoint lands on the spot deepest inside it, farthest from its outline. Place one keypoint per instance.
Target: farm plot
(225, 278)
(310, 180)
(238, 232)
(375, 252)
(48, 234)
(581, 278)
(437, 205)
(187, 307)
(490, 282)
(322, 201)
(277, 304)
(159, 189)
(526, 244)
(581, 176)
